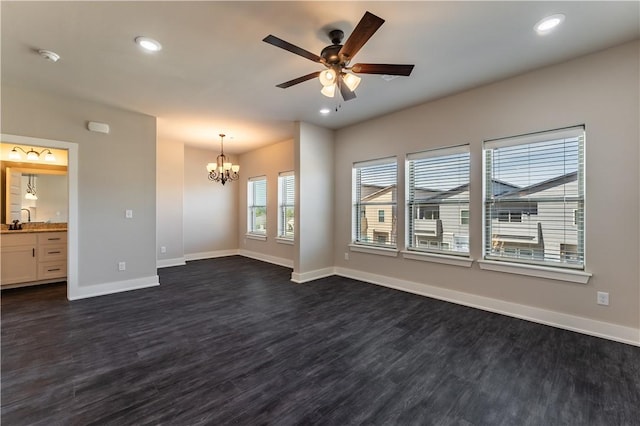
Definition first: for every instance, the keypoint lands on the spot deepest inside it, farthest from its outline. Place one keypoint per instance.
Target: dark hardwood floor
(233, 341)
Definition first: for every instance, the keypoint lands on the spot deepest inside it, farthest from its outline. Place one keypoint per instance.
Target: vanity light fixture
(148, 44)
(31, 154)
(223, 170)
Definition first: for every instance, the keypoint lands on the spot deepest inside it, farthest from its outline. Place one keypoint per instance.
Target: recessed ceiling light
(546, 25)
(148, 44)
(325, 111)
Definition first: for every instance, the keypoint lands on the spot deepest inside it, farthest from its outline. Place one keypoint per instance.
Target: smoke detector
(49, 55)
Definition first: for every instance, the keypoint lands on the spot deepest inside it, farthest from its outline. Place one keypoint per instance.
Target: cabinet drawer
(13, 240)
(51, 252)
(50, 270)
(52, 238)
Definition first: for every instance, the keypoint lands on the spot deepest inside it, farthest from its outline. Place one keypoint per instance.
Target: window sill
(438, 258)
(570, 275)
(282, 240)
(374, 250)
(260, 237)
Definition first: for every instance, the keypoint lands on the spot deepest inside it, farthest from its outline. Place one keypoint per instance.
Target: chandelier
(223, 170)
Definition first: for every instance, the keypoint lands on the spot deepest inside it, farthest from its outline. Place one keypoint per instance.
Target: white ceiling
(215, 74)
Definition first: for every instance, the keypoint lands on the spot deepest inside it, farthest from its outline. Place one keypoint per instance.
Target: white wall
(210, 215)
(268, 161)
(170, 203)
(116, 172)
(600, 91)
(314, 148)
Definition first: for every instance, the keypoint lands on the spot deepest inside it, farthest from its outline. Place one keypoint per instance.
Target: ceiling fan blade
(347, 94)
(367, 26)
(298, 80)
(278, 42)
(389, 69)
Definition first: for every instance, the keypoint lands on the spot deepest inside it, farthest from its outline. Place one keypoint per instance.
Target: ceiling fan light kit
(336, 58)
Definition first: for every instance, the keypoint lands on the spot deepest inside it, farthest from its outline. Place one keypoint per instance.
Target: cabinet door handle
(33, 252)
(53, 270)
(54, 252)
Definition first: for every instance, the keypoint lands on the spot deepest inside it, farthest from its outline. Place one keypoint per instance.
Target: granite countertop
(28, 228)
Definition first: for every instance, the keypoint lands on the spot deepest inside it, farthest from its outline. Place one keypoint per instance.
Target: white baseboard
(210, 254)
(312, 275)
(561, 320)
(83, 292)
(281, 261)
(166, 263)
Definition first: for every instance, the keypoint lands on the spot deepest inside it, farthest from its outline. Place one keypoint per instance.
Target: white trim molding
(209, 254)
(571, 275)
(615, 332)
(288, 263)
(166, 263)
(383, 251)
(438, 258)
(252, 236)
(300, 278)
(282, 240)
(83, 292)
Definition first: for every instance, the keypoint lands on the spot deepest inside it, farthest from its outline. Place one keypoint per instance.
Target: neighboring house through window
(534, 198)
(375, 191)
(438, 200)
(286, 204)
(257, 205)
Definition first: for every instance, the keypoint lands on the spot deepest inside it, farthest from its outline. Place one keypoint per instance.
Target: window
(534, 198)
(438, 200)
(464, 218)
(374, 184)
(257, 205)
(286, 204)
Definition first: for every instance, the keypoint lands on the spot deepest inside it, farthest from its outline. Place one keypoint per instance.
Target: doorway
(72, 213)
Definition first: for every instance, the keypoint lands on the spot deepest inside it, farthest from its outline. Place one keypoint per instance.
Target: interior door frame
(72, 222)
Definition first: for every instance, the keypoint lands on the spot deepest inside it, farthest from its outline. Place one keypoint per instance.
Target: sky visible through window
(520, 165)
(526, 165)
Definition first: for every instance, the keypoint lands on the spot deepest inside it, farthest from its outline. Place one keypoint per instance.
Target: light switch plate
(128, 214)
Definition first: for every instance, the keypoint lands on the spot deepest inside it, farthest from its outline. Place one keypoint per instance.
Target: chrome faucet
(28, 214)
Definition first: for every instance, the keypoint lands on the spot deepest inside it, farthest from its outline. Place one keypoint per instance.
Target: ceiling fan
(336, 58)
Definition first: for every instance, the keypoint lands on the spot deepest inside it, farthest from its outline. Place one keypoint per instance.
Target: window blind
(438, 200)
(257, 205)
(286, 204)
(534, 198)
(375, 202)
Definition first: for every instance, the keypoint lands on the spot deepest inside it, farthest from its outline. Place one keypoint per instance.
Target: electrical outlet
(163, 249)
(122, 266)
(346, 256)
(128, 214)
(603, 298)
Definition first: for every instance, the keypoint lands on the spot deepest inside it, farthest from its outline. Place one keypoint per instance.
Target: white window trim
(283, 240)
(438, 258)
(382, 251)
(560, 274)
(254, 236)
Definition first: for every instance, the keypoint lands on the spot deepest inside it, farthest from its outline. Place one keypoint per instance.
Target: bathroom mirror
(35, 194)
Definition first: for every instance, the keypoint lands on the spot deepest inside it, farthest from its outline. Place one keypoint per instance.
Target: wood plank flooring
(233, 341)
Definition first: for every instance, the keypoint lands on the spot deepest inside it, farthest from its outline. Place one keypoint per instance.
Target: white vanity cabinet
(33, 258)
